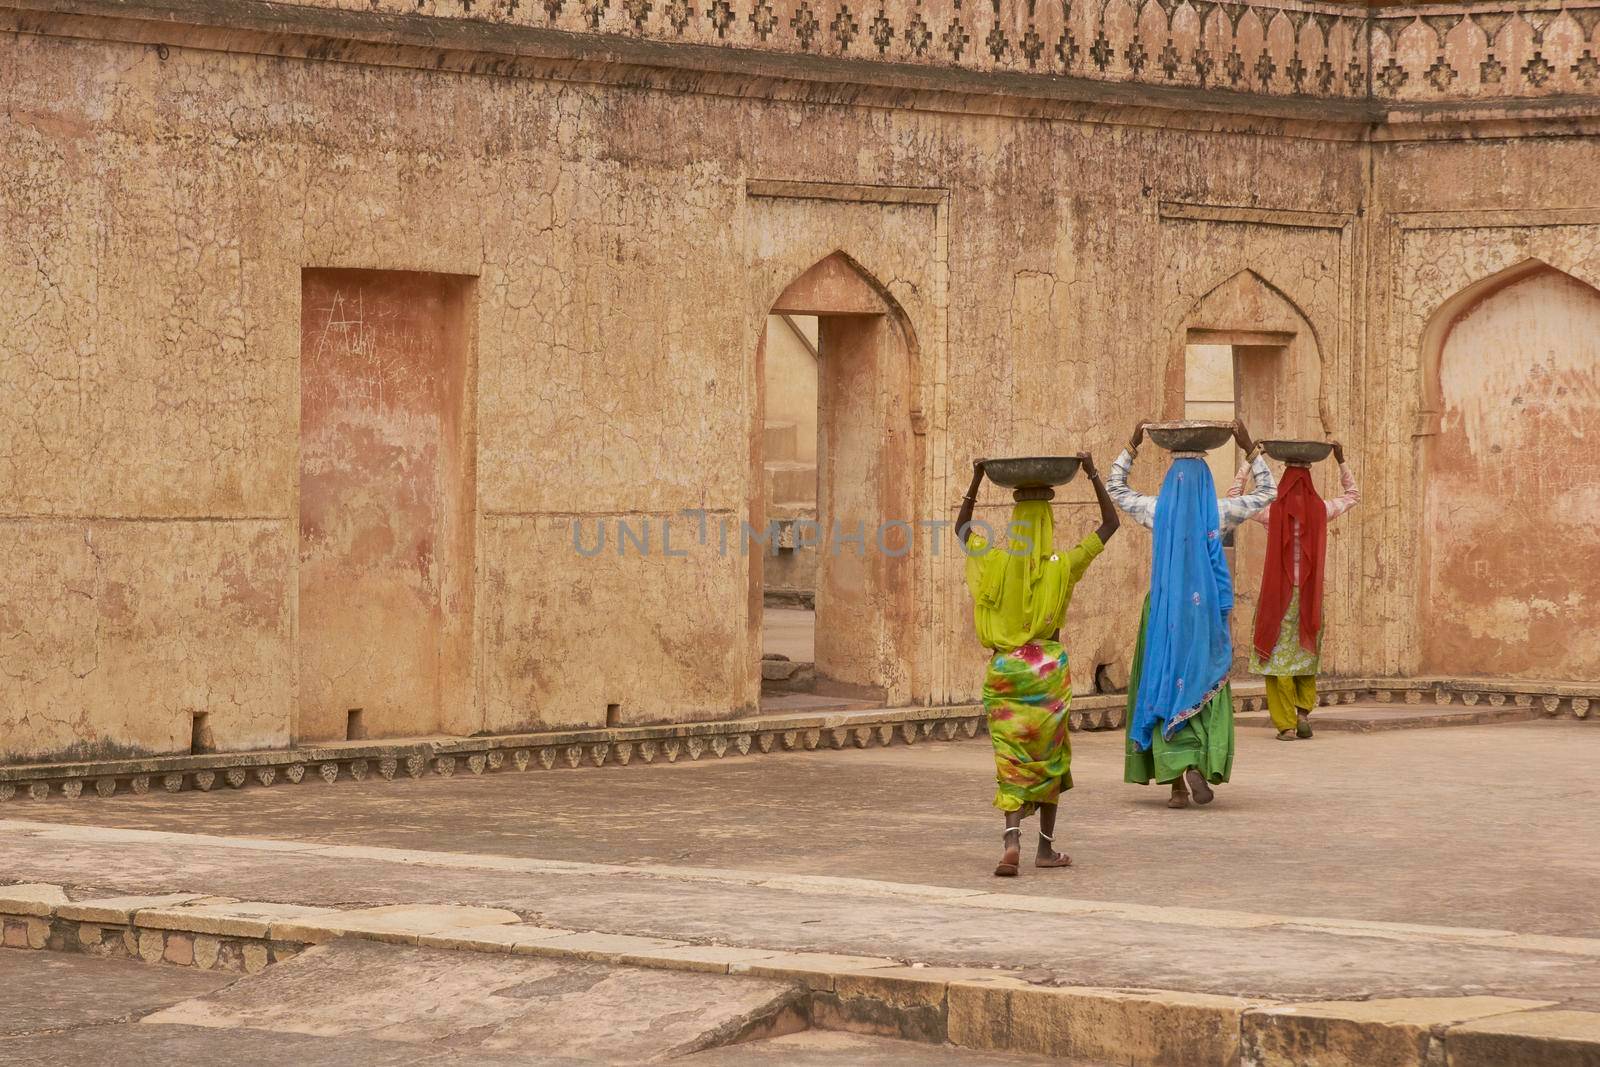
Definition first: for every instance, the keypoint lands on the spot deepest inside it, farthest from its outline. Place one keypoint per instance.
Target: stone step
(1369, 718)
(508, 985)
(780, 442)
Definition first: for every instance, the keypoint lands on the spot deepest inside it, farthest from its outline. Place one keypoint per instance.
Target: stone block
(119, 911)
(902, 1002)
(205, 951)
(152, 945)
(1396, 1032)
(1140, 1029)
(217, 920)
(38, 931)
(978, 1012)
(401, 924)
(707, 959)
(1526, 1039)
(88, 934)
(605, 948)
(180, 950)
(500, 938)
(818, 970)
(31, 898)
(255, 958)
(14, 933)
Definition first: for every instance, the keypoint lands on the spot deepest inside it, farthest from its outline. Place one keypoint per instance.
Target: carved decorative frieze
(1460, 51)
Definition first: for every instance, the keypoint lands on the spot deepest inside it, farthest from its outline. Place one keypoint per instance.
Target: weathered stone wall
(1453, 224)
(163, 189)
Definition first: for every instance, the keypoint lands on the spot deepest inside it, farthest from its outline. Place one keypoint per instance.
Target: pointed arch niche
(868, 461)
(1511, 479)
(1247, 351)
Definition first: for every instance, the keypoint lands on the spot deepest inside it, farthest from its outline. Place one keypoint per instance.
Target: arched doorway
(1511, 517)
(863, 570)
(1248, 352)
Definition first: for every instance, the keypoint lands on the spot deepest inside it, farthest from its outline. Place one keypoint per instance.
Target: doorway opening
(1237, 375)
(789, 490)
(835, 456)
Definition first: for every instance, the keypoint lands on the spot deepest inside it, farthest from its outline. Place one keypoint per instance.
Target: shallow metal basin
(1190, 435)
(1029, 472)
(1300, 452)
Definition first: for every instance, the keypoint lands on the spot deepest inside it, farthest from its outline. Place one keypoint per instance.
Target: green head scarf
(1018, 595)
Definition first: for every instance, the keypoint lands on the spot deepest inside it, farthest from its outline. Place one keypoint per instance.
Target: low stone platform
(793, 725)
(581, 977)
(1370, 717)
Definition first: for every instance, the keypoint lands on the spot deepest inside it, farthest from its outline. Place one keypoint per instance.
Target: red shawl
(1297, 498)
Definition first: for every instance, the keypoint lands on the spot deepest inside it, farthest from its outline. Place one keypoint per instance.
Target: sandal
(1287, 735)
(1004, 869)
(1055, 859)
(1198, 786)
(1179, 799)
(1302, 724)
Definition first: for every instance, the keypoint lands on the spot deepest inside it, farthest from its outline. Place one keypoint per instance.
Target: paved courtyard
(1461, 826)
(1439, 862)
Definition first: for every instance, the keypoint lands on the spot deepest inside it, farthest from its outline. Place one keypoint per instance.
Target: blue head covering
(1187, 648)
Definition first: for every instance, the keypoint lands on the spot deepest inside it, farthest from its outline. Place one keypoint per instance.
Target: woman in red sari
(1287, 650)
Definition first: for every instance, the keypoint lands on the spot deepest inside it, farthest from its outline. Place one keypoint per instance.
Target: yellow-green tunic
(1019, 600)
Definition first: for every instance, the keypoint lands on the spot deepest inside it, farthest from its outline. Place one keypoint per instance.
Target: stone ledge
(971, 1007)
(1399, 1032)
(1526, 1039)
(1501, 700)
(446, 756)
(1542, 698)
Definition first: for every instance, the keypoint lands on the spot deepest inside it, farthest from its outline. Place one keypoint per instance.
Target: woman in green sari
(1020, 593)
(1180, 704)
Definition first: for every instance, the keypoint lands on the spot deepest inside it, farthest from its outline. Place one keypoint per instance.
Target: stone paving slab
(494, 1003)
(55, 991)
(135, 1045)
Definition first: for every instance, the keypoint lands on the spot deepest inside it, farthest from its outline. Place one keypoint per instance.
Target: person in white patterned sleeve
(1180, 703)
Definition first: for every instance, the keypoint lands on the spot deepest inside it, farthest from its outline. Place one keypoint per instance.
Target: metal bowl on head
(1032, 472)
(1190, 435)
(1298, 453)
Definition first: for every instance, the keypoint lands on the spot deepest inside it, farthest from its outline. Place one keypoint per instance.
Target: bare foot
(1179, 797)
(1007, 867)
(1052, 858)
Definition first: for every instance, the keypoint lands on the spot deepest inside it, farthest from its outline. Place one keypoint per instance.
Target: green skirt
(1204, 742)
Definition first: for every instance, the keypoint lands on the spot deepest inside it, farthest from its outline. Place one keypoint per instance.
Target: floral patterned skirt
(1288, 658)
(1027, 693)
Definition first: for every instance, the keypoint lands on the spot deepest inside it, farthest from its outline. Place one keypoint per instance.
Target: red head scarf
(1298, 499)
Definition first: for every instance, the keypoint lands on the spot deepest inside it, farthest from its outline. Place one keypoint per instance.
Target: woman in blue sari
(1180, 706)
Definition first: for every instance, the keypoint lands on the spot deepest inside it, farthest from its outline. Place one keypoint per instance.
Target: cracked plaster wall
(158, 213)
